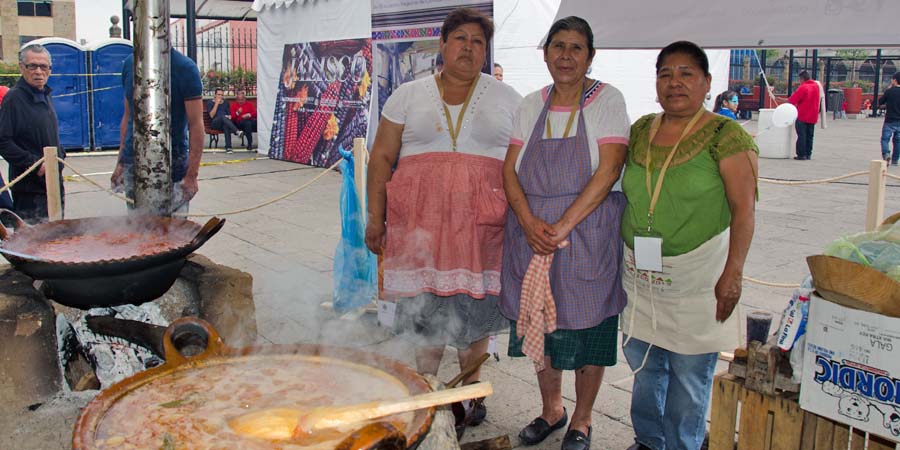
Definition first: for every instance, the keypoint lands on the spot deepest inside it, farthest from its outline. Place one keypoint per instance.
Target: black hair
(721, 98)
(804, 75)
(896, 77)
(688, 48)
(572, 23)
(461, 16)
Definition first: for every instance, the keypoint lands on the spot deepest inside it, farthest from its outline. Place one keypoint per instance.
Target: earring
(708, 97)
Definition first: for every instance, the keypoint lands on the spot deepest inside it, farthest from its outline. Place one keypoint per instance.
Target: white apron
(682, 314)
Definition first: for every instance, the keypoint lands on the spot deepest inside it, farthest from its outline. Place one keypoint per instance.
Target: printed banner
(405, 34)
(323, 100)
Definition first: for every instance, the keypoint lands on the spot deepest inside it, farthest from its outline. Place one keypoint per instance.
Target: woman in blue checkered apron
(563, 189)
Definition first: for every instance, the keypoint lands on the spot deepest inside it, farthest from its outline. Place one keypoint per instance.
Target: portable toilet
(69, 81)
(107, 96)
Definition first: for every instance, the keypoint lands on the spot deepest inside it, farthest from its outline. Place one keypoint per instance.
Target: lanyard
(654, 128)
(575, 108)
(454, 132)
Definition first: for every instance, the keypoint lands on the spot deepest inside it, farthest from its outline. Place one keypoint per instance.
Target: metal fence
(226, 57)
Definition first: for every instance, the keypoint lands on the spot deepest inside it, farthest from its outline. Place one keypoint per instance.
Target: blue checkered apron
(586, 276)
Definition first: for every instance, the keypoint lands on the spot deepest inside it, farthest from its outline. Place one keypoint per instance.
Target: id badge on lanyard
(648, 243)
(648, 251)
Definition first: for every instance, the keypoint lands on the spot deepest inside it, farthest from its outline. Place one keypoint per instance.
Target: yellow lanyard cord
(454, 132)
(654, 128)
(575, 108)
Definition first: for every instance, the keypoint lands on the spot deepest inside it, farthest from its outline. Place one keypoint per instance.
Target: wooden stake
(359, 179)
(51, 176)
(875, 200)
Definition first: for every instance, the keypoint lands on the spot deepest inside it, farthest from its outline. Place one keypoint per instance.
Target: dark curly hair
(461, 16)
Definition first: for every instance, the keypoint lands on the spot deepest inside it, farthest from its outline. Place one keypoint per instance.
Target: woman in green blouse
(690, 182)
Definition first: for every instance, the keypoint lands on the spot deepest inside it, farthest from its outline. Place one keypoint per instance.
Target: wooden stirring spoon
(287, 423)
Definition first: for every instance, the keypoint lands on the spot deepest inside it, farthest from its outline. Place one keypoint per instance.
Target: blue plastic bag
(355, 267)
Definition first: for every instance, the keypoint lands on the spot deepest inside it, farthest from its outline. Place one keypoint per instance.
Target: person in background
(561, 177)
(690, 181)
(890, 130)
(806, 99)
(498, 72)
(28, 123)
(727, 104)
(438, 217)
(186, 130)
(220, 113)
(243, 115)
(5, 199)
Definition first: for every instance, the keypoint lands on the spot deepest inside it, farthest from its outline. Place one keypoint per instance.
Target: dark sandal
(576, 440)
(538, 430)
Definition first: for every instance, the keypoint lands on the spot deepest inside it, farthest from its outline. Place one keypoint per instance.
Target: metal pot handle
(193, 336)
(212, 226)
(375, 436)
(17, 225)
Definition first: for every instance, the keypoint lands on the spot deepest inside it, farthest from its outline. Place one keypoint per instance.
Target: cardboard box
(851, 368)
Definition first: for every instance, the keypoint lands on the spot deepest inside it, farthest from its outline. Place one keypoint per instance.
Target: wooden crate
(775, 422)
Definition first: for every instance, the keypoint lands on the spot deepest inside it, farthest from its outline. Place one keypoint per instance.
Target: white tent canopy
(650, 24)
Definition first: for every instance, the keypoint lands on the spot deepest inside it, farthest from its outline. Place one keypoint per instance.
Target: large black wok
(108, 282)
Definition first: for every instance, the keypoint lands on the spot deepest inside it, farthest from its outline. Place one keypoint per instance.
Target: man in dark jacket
(891, 101)
(28, 124)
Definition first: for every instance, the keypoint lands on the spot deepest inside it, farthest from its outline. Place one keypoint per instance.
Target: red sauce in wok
(103, 246)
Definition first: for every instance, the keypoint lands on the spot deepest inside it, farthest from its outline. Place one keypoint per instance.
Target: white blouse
(417, 106)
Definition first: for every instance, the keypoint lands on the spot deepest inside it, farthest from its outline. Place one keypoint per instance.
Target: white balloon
(784, 115)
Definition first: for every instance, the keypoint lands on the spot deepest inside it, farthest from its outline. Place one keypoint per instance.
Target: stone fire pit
(39, 407)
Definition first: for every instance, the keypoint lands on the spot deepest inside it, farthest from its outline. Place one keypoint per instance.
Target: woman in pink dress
(438, 217)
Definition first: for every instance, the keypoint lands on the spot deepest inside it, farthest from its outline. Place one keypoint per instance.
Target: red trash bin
(853, 97)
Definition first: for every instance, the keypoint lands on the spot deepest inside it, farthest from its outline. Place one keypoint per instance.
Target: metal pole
(152, 141)
(191, 20)
(790, 74)
(877, 83)
(762, 81)
(815, 64)
(126, 21)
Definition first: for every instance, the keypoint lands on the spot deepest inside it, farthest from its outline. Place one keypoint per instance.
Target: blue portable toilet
(107, 97)
(69, 81)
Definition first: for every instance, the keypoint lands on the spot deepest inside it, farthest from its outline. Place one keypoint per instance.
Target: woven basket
(855, 285)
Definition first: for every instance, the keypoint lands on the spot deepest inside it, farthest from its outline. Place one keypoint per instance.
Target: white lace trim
(407, 283)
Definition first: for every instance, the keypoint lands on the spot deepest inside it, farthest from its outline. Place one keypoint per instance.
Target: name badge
(648, 253)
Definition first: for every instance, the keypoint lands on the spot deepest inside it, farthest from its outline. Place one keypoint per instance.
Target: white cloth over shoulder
(486, 125)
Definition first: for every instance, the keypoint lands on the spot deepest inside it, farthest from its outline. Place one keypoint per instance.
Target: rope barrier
(72, 94)
(276, 199)
(890, 175)
(24, 174)
(104, 188)
(819, 181)
(771, 284)
(117, 74)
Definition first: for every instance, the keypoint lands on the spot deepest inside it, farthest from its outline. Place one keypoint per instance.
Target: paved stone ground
(289, 246)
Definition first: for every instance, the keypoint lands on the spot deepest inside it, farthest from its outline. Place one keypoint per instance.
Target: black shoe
(228, 150)
(798, 158)
(477, 414)
(639, 446)
(576, 440)
(538, 430)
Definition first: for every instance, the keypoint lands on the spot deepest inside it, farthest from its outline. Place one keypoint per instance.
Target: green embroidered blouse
(692, 206)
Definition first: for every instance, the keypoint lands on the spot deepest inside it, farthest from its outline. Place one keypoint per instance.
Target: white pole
(875, 200)
(51, 177)
(360, 163)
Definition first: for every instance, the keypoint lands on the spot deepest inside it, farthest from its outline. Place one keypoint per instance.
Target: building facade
(25, 20)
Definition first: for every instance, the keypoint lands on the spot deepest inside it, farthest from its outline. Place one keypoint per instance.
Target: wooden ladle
(289, 423)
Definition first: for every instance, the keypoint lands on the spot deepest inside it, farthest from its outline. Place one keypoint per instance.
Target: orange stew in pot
(103, 246)
(189, 409)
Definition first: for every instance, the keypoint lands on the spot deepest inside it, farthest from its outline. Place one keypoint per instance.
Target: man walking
(891, 101)
(28, 123)
(243, 114)
(220, 113)
(806, 99)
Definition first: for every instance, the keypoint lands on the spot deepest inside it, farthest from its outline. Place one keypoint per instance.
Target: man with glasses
(28, 123)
